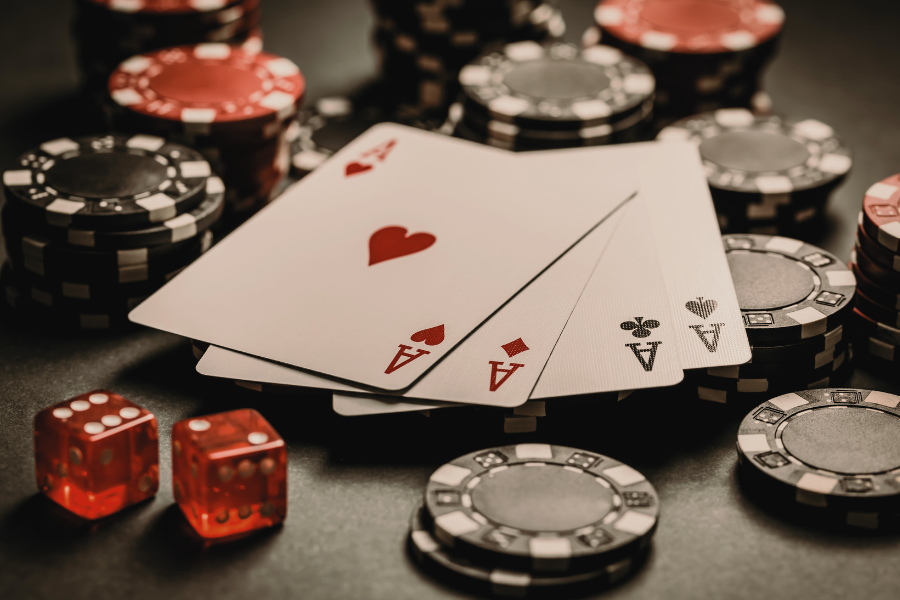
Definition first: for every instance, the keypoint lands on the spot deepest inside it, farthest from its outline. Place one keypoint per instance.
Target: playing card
(357, 406)
(497, 365)
(621, 335)
(709, 327)
(377, 264)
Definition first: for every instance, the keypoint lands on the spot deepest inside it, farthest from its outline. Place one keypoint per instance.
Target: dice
(96, 453)
(229, 473)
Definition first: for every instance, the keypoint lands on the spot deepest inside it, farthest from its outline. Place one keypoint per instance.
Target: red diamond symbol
(514, 347)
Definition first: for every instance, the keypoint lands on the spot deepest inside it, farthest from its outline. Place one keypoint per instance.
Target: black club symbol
(640, 328)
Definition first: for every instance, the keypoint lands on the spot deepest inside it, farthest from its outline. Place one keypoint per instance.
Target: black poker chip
(874, 271)
(743, 398)
(787, 290)
(836, 449)
(878, 253)
(764, 159)
(447, 563)
(556, 87)
(865, 326)
(318, 133)
(33, 255)
(808, 347)
(541, 508)
(771, 378)
(874, 291)
(107, 182)
(182, 227)
(800, 364)
(872, 309)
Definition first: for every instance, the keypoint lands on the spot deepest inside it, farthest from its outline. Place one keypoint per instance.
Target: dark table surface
(353, 481)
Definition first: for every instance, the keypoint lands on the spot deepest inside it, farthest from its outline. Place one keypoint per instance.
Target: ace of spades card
(379, 263)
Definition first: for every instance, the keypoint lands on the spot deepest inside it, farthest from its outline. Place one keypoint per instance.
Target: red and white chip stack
(875, 261)
(232, 104)
(705, 55)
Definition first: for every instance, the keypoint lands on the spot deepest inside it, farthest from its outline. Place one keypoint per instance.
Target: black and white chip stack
(423, 44)
(95, 224)
(767, 175)
(533, 518)
(705, 55)
(528, 96)
(828, 456)
(107, 32)
(875, 260)
(795, 300)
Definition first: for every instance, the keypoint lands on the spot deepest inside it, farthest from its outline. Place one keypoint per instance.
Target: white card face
(620, 335)
(708, 323)
(497, 365)
(376, 265)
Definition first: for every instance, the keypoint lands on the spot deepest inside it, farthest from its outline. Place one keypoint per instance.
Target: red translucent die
(229, 473)
(96, 453)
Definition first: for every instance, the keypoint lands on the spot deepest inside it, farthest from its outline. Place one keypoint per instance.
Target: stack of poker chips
(795, 300)
(232, 104)
(767, 175)
(705, 55)
(109, 31)
(824, 457)
(527, 519)
(93, 225)
(423, 45)
(528, 96)
(876, 263)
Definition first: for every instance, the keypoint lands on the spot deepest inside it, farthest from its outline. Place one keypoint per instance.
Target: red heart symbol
(355, 167)
(430, 337)
(392, 242)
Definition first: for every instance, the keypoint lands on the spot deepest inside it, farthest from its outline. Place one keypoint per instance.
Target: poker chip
(422, 47)
(207, 89)
(878, 349)
(184, 226)
(828, 450)
(765, 171)
(877, 252)
(872, 309)
(45, 259)
(884, 277)
(57, 318)
(320, 132)
(541, 508)
(880, 217)
(108, 181)
(781, 380)
(432, 555)
(702, 54)
(869, 327)
(874, 291)
(801, 365)
(809, 347)
(557, 87)
(787, 290)
(742, 398)
(108, 32)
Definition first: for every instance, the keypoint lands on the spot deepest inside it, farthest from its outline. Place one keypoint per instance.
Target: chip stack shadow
(767, 175)
(875, 261)
(705, 55)
(795, 300)
(95, 224)
(423, 45)
(232, 104)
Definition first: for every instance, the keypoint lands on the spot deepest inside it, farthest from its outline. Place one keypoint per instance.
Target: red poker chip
(206, 89)
(691, 26)
(880, 217)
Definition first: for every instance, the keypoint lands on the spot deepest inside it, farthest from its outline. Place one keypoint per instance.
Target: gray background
(353, 482)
